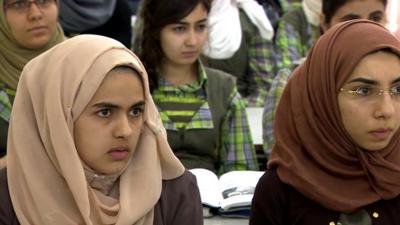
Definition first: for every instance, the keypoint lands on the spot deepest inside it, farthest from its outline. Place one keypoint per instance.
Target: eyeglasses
(23, 5)
(367, 92)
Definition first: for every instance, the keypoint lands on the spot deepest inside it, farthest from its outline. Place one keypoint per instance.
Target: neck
(179, 74)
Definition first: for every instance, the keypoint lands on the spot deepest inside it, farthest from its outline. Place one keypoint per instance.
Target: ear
(324, 26)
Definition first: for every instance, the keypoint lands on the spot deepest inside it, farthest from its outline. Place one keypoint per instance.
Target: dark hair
(330, 7)
(157, 14)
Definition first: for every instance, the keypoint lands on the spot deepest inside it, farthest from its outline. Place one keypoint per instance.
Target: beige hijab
(46, 177)
(13, 57)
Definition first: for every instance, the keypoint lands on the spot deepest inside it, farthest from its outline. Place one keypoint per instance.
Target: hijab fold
(313, 152)
(13, 56)
(47, 179)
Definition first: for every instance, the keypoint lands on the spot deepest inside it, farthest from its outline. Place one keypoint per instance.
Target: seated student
(201, 109)
(87, 146)
(240, 43)
(333, 13)
(337, 151)
(111, 18)
(300, 27)
(27, 28)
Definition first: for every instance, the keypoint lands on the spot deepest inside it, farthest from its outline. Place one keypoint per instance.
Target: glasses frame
(379, 93)
(8, 6)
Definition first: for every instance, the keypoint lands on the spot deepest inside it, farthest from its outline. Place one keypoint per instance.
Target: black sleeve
(269, 204)
(7, 214)
(180, 202)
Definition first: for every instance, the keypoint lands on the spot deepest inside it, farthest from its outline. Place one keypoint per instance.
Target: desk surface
(217, 220)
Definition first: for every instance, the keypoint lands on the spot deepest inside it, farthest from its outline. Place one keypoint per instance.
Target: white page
(207, 182)
(238, 188)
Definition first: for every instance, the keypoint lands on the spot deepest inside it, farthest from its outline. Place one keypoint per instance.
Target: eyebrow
(186, 23)
(369, 81)
(350, 16)
(112, 105)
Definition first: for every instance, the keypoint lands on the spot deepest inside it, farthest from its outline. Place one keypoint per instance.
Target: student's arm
(261, 66)
(271, 104)
(180, 202)
(237, 149)
(288, 44)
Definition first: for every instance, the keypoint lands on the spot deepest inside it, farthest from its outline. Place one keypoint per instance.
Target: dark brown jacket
(179, 203)
(276, 203)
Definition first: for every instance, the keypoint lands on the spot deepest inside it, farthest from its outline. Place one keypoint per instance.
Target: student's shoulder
(271, 181)
(181, 183)
(216, 74)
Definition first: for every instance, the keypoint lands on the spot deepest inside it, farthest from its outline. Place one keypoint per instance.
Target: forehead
(380, 66)
(198, 13)
(360, 7)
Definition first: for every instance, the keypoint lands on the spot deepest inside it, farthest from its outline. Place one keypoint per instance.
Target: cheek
(15, 26)
(352, 117)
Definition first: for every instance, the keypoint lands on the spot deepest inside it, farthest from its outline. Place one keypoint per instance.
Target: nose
(385, 106)
(34, 12)
(191, 38)
(123, 127)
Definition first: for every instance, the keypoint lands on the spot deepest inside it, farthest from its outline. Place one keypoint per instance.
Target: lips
(38, 30)
(190, 54)
(382, 133)
(119, 153)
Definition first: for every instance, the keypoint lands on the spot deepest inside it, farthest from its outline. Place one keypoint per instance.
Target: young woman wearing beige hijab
(27, 28)
(87, 145)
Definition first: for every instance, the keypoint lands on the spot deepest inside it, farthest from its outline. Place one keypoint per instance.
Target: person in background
(337, 151)
(200, 107)
(299, 29)
(240, 43)
(111, 18)
(87, 146)
(27, 28)
(333, 12)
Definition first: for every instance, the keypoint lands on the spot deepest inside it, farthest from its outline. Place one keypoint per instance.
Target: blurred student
(87, 146)
(337, 151)
(240, 43)
(200, 107)
(110, 18)
(27, 28)
(299, 28)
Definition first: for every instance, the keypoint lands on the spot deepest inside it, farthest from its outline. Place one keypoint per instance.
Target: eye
(104, 113)
(395, 90)
(18, 4)
(135, 112)
(179, 29)
(42, 2)
(363, 91)
(376, 17)
(201, 27)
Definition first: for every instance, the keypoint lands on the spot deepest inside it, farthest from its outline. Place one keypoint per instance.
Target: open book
(228, 195)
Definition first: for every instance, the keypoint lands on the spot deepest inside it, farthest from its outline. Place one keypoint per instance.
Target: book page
(237, 188)
(207, 181)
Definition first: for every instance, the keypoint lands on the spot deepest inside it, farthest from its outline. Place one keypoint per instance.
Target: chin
(38, 44)
(375, 147)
